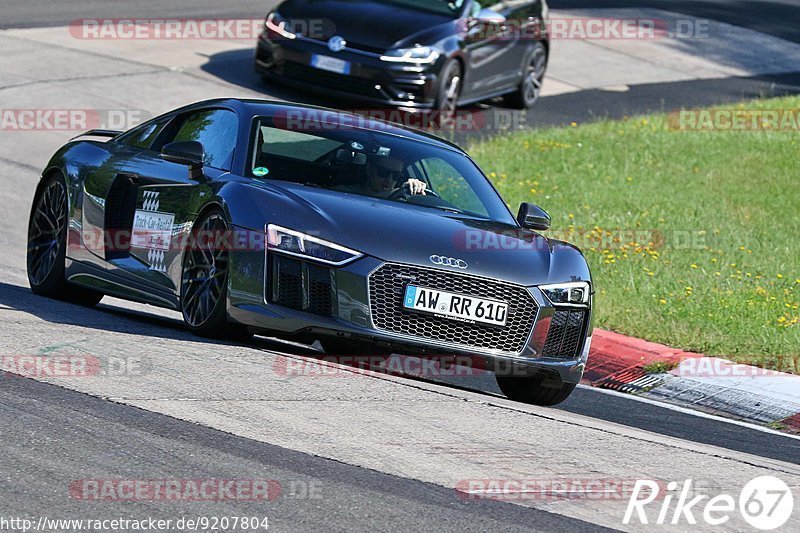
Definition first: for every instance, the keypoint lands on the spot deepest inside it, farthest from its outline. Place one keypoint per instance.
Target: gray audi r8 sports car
(252, 216)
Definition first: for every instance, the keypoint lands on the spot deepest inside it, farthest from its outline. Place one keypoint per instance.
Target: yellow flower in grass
(694, 266)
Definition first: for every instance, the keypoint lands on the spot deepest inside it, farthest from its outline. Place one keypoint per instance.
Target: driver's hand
(416, 186)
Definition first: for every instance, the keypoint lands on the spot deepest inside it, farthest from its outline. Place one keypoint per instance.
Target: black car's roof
(253, 107)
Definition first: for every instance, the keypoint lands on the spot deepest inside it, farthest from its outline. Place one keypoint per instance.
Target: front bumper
(295, 298)
(370, 79)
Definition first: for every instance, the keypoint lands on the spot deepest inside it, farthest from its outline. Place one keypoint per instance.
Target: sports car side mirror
(532, 216)
(190, 153)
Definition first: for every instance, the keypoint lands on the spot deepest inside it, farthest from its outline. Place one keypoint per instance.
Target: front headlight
(573, 293)
(292, 242)
(417, 54)
(275, 24)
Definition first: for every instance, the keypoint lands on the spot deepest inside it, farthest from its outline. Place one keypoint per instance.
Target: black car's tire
(530, 86)
(448, 89)
(529, 389)
(47, 245)
(204, 283)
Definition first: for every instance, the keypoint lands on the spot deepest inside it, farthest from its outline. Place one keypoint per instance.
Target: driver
(383, 174)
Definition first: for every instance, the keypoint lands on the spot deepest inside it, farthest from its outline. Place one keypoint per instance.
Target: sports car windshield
(372, 163)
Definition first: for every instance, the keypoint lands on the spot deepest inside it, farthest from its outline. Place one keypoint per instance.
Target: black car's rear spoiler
(98, 133)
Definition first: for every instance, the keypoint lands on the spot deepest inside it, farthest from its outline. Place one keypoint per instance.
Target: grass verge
(692, 236)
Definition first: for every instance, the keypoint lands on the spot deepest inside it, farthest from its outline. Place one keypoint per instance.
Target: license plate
(331, 64)
(455, 306)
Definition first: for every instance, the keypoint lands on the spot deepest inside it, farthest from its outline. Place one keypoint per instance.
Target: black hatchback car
(416, 54)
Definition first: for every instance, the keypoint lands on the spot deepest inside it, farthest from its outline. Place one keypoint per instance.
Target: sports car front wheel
(204, 282)
(531, 389)
(47, 245)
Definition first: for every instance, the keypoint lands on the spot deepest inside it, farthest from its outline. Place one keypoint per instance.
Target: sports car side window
(216, 130)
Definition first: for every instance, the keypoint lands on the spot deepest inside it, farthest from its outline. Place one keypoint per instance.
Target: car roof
(255, 107)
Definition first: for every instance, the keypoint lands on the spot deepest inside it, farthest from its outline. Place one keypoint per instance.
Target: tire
(529, 389)
(47, 245)
(530, 86)
(204, 284)
(448, 90)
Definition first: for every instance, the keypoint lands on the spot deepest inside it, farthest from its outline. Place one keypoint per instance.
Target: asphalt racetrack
(346, 450)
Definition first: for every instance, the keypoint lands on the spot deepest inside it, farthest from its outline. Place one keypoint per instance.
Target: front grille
(302, 285)
(350, 47)
(386, 288)
(565, 334)
(323, 78)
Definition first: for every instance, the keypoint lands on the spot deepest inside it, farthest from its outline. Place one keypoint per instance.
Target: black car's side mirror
(189, 153)
(532, 216)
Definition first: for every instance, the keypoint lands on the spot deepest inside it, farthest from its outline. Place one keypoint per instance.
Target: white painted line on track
(687, 411)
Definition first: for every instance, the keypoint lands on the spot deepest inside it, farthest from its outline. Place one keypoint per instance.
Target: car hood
(371, 24)
(405, 233)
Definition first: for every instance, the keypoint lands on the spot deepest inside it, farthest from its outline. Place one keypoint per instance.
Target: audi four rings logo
(448, 261)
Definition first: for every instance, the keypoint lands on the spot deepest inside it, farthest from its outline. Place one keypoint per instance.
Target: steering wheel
(405, 192)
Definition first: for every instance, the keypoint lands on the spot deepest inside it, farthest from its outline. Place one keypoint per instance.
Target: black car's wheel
(47, 245)
(448, 90)
(531, 85)
(530, 389)
(204, 282)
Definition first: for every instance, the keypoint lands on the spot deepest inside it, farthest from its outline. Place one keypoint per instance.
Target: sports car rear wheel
(47, 245)
(204, 283)
(530, 389)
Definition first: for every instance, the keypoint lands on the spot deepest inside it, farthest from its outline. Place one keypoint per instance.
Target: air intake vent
(302, 285)
(565, 335)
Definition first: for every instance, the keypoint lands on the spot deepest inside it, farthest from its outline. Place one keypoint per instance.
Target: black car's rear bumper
(370, 79)
(363, 302)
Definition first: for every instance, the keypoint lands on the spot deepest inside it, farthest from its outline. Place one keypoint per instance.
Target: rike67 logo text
(765, 503)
